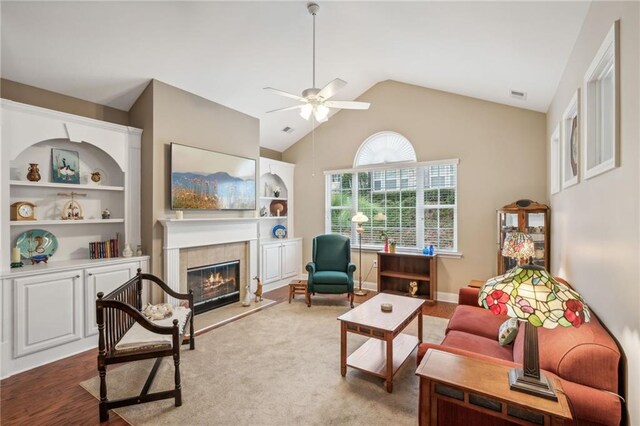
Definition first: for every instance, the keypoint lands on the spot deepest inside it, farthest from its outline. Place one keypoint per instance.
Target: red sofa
(585, 359)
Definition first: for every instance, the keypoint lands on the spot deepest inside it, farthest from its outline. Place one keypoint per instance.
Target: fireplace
(214, 285)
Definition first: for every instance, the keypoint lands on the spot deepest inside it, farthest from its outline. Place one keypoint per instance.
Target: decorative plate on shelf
(279, 231)
(37, 243)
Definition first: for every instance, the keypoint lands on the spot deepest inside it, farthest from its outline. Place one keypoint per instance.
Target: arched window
(414, 204)
(384, 148)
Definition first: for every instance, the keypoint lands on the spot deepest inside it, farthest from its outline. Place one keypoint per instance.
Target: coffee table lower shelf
(371, 357)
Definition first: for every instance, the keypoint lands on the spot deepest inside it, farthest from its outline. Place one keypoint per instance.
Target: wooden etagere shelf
(397, 270)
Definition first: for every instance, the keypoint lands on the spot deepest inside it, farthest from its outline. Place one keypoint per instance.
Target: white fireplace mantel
(198, 232)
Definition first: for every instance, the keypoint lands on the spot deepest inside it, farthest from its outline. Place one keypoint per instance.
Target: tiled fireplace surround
(190, 243)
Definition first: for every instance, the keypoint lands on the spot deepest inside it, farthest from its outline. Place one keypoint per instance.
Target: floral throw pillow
(508, 331)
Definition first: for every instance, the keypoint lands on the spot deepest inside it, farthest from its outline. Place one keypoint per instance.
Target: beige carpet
(280, 366)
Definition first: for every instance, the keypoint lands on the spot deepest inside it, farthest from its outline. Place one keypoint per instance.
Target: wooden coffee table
(387, 349)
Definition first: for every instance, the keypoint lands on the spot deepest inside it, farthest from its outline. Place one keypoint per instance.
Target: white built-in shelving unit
(280, 259)
(48, 309)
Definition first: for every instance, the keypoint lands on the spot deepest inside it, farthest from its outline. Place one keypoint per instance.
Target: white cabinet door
(47, 311)
(103, 279)
(290, 258)
(271, 263)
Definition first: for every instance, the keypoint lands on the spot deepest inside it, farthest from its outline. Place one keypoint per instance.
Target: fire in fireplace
(214, 285)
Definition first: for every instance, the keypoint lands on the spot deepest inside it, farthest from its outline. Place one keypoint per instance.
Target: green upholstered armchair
(331, 271)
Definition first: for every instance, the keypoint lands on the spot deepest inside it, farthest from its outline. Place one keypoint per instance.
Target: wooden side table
(483, 387)
(297, 287)
(476, 283)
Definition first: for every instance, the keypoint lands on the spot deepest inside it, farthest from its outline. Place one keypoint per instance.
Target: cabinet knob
(77, 276)
(90, 274)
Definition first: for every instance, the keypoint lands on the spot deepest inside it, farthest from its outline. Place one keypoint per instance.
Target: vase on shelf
(34, 172)
(127, 252)
(139, 250)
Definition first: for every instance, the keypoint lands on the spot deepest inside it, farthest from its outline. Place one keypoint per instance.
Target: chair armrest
(139, 318)
(186, 296)
(468, 296)
(351, 268)
(311, 269)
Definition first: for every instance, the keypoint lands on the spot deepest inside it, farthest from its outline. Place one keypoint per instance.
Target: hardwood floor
(52, 394)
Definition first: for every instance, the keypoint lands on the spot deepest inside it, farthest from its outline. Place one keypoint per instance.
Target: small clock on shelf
(23, 210)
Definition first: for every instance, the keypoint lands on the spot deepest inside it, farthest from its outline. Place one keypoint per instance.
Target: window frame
(421, 207)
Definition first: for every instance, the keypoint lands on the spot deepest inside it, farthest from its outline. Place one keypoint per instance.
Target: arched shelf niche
(91, 158)
(270, 182)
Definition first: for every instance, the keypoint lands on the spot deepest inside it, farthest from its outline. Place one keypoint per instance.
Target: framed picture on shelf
(65, 166)
(571, 142)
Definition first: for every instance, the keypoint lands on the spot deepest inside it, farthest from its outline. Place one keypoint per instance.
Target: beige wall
(270, 153)
(31, 95)
(595, 224)
(182, 117)
(141, 116)
(502, 159)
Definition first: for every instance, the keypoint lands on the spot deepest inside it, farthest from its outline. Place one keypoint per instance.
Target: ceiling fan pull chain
(313, 146)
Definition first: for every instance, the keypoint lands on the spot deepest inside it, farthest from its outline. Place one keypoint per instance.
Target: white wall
(596, 224)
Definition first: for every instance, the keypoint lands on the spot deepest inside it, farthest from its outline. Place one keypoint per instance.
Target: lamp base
(539, 387)
(360, 292)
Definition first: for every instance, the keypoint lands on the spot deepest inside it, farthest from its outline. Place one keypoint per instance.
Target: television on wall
(208, 180)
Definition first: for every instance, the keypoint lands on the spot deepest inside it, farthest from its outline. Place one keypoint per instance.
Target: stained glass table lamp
(530, 294)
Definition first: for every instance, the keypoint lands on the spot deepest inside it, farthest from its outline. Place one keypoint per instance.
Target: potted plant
(392, 246)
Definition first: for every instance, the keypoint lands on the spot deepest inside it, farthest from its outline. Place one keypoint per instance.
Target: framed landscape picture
(208, 180)
(65, 166)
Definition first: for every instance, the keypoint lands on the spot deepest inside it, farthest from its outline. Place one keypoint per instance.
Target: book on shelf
(104, 249)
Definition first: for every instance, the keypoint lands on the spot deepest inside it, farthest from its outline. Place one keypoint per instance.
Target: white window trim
(606, 58)
(385, 166)
(420, 206)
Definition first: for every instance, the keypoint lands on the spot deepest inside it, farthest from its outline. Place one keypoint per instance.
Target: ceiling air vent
(519, 95)
(288, 129)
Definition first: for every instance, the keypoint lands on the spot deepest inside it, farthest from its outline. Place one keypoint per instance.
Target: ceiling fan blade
(287, 94)
(332, 88)
(347, 104)
(286, 109)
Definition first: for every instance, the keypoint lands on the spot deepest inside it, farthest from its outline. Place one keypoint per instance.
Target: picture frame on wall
(570, 135)
(601, 123)
(556, 161)
(209, 180)
(65, 166)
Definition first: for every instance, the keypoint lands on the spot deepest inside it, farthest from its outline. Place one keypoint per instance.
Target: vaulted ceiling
(106, 52)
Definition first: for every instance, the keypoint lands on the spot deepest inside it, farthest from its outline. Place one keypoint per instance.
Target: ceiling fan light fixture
(305, 111)
(321, 113)
(316, 101)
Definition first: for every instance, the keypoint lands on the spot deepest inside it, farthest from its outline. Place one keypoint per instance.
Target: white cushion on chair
(139, 338)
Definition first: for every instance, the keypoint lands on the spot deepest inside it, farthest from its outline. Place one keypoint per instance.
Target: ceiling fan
(316, 101)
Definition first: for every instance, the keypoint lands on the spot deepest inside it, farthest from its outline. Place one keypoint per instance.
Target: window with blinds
(419, 203)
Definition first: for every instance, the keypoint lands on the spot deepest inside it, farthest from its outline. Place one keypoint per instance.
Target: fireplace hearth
(214, 285)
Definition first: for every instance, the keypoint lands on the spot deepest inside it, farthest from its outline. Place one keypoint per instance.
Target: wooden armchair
(125, 334)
